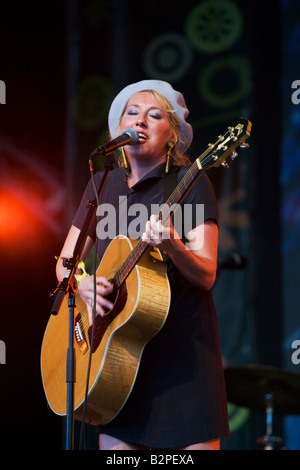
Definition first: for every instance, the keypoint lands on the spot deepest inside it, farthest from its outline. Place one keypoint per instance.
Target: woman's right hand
(103, 289)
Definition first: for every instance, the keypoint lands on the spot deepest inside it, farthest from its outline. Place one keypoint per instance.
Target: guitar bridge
(80, 335)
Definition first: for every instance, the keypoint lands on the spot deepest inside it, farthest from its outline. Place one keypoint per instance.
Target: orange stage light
(19, 228)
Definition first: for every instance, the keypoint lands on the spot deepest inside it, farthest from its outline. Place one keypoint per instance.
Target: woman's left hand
(157, 234)
(196, 260)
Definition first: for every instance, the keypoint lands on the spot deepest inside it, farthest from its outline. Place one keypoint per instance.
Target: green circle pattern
(237, 416)
(240, 66)
(214, 25)
(91, 102)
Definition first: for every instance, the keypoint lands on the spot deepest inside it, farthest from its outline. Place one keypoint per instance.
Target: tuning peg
(244, 145)
(225, 165)
(234, 155)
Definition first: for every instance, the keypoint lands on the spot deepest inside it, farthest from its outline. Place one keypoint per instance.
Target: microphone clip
(129, 136)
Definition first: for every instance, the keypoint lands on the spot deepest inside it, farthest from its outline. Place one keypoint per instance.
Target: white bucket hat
(174, 97)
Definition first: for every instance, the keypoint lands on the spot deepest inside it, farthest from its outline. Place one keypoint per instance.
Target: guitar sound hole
(119, 298)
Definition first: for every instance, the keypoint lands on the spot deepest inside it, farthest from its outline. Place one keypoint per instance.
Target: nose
(141, 122)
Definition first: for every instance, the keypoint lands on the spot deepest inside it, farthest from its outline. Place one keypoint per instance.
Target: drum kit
(267, 389)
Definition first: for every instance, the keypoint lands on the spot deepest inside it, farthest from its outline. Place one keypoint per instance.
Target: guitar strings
(141, 246)
(124, 270)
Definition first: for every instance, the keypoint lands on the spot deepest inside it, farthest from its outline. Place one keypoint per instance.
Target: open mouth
(142, 137)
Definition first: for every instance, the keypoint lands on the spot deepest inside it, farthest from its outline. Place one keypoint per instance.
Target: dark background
(62, 63)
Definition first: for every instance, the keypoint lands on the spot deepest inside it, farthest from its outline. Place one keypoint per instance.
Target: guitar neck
(168, 207)
(181, 191)
(213, 156)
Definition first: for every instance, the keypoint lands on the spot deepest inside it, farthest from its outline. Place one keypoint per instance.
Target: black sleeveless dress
(179, 396)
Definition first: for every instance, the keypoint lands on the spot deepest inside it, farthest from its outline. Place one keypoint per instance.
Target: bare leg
(209, 445)
(111, 443)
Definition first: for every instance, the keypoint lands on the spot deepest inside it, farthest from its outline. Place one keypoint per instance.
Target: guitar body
(140, 310)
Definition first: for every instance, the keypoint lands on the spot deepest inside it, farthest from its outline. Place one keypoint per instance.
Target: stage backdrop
(61, 73)
(290, 191)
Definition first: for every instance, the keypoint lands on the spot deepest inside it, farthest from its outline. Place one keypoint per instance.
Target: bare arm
(86, 287)
(68, 250)
(197, 262)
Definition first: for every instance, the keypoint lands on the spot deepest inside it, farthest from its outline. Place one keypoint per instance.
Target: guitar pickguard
(102, 323)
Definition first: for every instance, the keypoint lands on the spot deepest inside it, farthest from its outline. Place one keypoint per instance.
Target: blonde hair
(176, 158)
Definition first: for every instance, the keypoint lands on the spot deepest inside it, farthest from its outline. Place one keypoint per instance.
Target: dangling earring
(124, 158)
(170, 146)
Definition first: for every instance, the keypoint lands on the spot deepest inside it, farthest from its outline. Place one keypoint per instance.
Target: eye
(131, 111)
(155, 115)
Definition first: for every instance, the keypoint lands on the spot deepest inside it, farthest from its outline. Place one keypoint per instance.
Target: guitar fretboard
(175, 199)
(214, 155)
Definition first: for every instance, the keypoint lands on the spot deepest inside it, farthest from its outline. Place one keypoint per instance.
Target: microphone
(129, 136)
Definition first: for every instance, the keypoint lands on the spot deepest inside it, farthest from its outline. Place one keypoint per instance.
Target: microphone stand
(67, 285)
(269, 441)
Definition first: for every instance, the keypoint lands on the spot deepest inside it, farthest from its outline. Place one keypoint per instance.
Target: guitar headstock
(226, 144)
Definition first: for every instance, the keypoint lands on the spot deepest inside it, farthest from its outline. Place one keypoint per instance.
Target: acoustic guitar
(141, 306)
